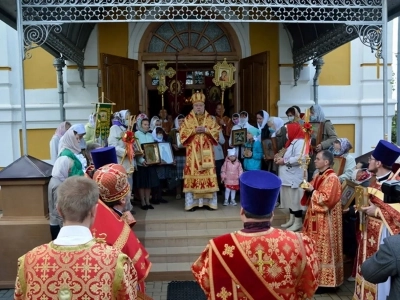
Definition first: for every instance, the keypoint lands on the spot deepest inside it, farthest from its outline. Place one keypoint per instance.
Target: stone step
(170, 272)
(174, 254)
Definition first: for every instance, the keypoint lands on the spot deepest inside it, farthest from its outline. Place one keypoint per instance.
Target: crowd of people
(92, 190)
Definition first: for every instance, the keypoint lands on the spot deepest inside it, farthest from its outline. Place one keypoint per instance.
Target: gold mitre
(198, 97)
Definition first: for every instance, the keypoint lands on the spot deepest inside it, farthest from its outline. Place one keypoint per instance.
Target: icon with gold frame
(239, 137)
(224, 76)
(348, 193)
(151, 153)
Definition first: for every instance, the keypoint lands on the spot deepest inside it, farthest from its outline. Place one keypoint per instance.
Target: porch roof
(309, 40)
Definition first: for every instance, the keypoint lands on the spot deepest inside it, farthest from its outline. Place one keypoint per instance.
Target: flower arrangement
(128, 137)
(307, 128)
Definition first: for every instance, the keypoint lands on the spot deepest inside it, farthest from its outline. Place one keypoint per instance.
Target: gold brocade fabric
(323, 224)
(199, 171)
(370, 240)
(90, 271)
(284, 261)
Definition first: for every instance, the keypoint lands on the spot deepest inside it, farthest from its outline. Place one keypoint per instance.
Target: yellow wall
(265, 37)
(38, 142)
(39, 72)
(113, 38)
(336, 68)
(346, 131)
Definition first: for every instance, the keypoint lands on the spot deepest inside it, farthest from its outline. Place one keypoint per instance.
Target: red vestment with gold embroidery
(89, 271)
(323, 224)
(272, 264)
(199, 172)
(386, 216)
(118, 233)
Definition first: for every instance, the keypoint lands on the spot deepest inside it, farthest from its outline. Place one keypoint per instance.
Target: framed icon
(166, 154)
(151, 153)
(239, 137)
(348, 193)
(338, 165)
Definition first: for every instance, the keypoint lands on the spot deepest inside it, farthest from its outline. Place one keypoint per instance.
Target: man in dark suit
(384, 264)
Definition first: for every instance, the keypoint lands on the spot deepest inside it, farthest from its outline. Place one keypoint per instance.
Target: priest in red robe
(323, 221)
(76, 265)
(112, 222)
(380, 219)
(199, 133)
(259, 261)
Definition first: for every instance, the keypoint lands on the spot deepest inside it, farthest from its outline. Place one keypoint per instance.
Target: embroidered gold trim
(119, 273)
(123, 237)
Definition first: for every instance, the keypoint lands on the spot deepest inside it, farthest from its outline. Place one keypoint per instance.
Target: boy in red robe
(112, 221)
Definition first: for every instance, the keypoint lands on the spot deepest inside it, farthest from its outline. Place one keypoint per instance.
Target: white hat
(232, 152)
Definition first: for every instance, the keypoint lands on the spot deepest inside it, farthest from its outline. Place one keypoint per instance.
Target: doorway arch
(200, 44)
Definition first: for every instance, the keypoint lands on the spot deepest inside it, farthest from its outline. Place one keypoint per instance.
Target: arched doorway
(191, 49)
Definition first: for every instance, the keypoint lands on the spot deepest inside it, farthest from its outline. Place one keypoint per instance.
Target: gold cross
(162, 73)
(86, 267)
(261, 262)
(45, 267)
(224, 294)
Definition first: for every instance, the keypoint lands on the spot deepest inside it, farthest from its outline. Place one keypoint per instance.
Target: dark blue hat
(386, 153)
(259, 192)
(104, 156)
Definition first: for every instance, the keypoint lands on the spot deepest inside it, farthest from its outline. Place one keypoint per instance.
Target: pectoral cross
(162, 73)
(260, 262)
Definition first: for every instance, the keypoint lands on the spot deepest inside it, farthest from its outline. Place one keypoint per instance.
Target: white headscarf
(153, 122)
(139, 120)
(318, 113)
(70, 142)
(61, 129)
(154, 134)
(79, 128)
(265, 120)
(278, 124)
(246, 120)
(61, 168)
(176, 121)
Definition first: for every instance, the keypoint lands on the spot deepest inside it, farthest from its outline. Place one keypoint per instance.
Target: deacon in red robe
(258, 262)
(111, 222)
(380, 219)
(76, 265)
(323, 221)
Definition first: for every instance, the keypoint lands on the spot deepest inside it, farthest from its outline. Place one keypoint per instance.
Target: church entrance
(190, 77)
(191, 49)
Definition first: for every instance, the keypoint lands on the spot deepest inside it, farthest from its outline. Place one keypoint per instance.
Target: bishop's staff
(129, 138)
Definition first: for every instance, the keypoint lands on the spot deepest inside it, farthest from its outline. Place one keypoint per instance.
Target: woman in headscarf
(59, 173)
(70, 147)
(90, 128)
(341, 148)
(155, 122)
(292, 174)
(163, 171)
(253, 152)
(147, 178)
(262, 120)
(278, 137)
(179, 154)
(324, 141)
(55, 140)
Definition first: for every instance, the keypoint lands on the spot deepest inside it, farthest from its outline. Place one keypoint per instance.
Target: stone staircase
(175, 239)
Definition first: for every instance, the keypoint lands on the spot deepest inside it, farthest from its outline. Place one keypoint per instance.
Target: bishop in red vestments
(381, 220)
(258, 262)
(323, 221)
(112, 222)
(76, 265)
